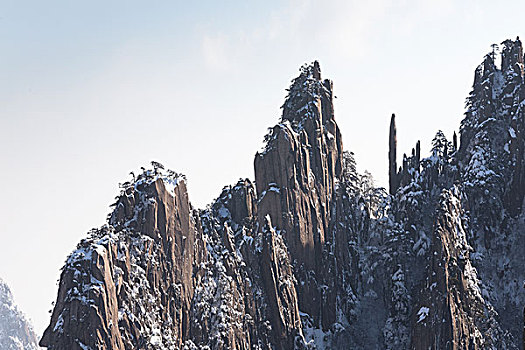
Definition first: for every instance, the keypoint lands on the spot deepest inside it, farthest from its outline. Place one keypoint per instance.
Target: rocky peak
(512, 55)
(492, 141)
(239, 201)
(297, 173)
(312, 255)
(130, 283)
(16, 332)
(392, 156)
(410, 166)
(309, 97)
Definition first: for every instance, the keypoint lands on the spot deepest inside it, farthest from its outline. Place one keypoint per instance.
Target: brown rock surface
(312, 255)
(451, 312)
(296, 176)
(141, 265)
(279, 284)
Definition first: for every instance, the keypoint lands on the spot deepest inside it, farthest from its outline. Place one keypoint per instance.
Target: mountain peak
(311, 255)
(512, 54)
(16, 332)
(308, 97)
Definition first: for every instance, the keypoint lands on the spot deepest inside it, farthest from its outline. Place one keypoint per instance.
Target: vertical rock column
(392, 155)
(296, 177)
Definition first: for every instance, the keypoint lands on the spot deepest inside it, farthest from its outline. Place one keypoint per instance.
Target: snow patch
(422, 313)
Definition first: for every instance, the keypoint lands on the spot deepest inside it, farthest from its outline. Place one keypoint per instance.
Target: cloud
(342, 28)
(215, 50)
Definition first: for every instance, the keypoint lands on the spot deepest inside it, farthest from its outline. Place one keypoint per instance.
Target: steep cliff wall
(312, 255)
(131, 282)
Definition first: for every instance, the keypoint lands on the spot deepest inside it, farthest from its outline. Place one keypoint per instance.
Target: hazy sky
(94, 89)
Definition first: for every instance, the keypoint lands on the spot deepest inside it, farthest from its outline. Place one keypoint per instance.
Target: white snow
(316, 338)
(155, 340)
(273, 188)
(83, 346)
(223, 212)
(422, 313)
(170, 184)
(59, 324)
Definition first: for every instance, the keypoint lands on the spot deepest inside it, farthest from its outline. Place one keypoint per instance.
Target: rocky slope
(16, 332)
(312, 255)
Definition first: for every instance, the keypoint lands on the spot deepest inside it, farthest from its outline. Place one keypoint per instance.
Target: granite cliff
(311, 255)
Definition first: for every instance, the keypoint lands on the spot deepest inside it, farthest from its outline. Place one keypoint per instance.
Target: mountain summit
(311, 255)
(16, 332)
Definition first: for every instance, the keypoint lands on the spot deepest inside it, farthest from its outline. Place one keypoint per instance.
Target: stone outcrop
(450, 311)
(312, 255)
(296, 176)
(491, 163)
(231, 308)
(392, 156)
(131, 282)
(16, 332)
(279, 285)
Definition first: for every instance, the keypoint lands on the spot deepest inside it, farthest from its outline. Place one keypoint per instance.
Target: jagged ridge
(16, 332)
(313, 255)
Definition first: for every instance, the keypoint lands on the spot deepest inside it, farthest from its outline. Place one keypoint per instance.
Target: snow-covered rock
(16, 332)
(312, 255)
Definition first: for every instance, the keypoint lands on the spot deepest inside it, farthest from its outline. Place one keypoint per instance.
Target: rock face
(392, 157)
(16, 332)
(296, 177)
(131, 282)
(452, 310)
(312, 255)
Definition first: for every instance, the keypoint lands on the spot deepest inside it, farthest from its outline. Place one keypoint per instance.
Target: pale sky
(92, 90)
